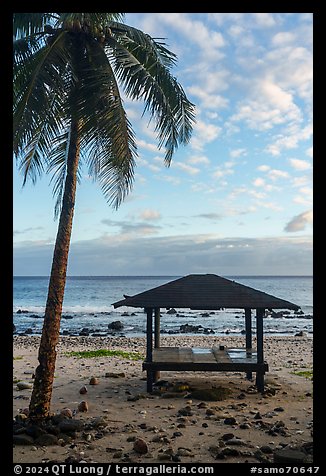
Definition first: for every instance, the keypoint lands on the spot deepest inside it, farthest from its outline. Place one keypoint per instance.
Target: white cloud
(259, 182)
(208, 100)
(186, 168)
(276, 95)
(271, 205)
(219, 173)
(177, 255)
(203, 133)
(283, 37)
(208, 41)
(234, 153)
(292, 68)
(264, 20)
(129, 229)
(290, 139)
(148, 146)
(306, 196)
(299, 222)
(263, 168)
(300, 164)
(299, 181)
(150, 215)
(168, 178)
(198, 159)
(276, 174)
(270, 105)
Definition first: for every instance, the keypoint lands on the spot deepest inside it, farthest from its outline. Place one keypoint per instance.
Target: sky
(237, 200)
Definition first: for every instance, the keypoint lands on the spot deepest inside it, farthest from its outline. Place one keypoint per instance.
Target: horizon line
(164, 275)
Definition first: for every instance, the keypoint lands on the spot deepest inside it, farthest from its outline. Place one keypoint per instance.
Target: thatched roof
(205, 292)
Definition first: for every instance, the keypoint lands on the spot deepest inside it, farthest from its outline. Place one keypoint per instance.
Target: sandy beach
(125, 424)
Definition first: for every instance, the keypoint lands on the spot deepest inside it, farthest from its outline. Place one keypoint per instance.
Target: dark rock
(83, 390)
(98, 422)
(29, 330)
(212, 394)
(34, 431)
(18, 429)
(176, 458)
(14, 328)
(279, 409)
(83, 406)
(227, 436)
(23, 440)
(300, 334)
(260, 456)
(58, 418)
(140, 446)
(184, 328)
(116, 326)
(229, 452)
(171, 311)
(258, 416)
(67, 412)
(184, 452)
(277, 315)
(84, 332)
(230, 421)
(94, 381)
(70, 426)
(24, 385)
(236, 442)
(186, 411)
(67, 316)
(266, 449)
(289, 456)
(115, 375)
(22, 311)
(245, 426)
(46, 440)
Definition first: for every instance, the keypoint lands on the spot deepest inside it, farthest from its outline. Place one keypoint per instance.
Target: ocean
(88, 309)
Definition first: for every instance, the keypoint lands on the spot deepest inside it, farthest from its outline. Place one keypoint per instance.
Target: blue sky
(238, 199)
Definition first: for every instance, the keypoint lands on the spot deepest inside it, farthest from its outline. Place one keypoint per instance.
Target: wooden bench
(202, 359)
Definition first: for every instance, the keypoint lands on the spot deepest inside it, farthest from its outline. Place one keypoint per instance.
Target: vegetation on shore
(304, 373)
(87, 354)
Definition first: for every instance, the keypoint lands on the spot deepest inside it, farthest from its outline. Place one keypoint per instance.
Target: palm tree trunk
(39, 407)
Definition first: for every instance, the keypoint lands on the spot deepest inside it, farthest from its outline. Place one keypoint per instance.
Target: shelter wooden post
(260, 349)
(157, 325)
(149, 347)
(248, 335)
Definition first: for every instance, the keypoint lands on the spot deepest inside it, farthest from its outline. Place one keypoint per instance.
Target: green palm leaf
(145, 77)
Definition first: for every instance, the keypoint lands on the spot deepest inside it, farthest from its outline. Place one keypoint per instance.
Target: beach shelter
(206, 292)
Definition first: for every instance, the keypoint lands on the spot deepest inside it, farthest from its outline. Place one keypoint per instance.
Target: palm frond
(153, 47)
(106, 132)
(39, 94)
(143, 76)
(57, 166)
(27, 24)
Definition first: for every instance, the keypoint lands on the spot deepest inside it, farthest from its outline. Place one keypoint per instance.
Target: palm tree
(68, 111)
